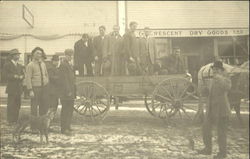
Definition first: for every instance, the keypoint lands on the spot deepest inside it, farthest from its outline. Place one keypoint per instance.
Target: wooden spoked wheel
(92, 100)
(169, 98)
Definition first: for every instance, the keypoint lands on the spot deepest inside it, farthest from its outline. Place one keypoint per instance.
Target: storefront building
(203, 30)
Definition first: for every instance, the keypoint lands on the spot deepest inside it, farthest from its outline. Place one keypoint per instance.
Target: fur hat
(217, 64)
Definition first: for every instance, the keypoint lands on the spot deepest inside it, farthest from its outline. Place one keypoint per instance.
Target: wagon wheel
(92, 100)
(169, 98)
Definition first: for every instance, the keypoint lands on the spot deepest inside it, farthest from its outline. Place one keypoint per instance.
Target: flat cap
(55, 58)
(217, 64)
(69, 52)
(14, 52)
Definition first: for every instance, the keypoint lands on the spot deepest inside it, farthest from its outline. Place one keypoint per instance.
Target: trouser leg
(63, 115)
(34, 104)
(98, 65)
(66, 114)
(44, 101)
(70, 113)
(121, 66)
(89, 69)
(81, 70)
(207, 134)
(35, 101)
(53, 102)
(18, 106)
(222, 127)
(13, 107)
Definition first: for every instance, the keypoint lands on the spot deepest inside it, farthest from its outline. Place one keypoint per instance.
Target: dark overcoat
(14, 85)
(218, 104)
(131, 45)
(100, 46)
(67, 81)
(83, 53)
(54, 80)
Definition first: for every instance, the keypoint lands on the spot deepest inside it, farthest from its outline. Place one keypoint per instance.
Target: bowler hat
(217, 64)
(55, 58)
(69, 52)
(132, 23)
(14, 52)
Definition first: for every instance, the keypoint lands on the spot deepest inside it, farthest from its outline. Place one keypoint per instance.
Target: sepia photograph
(124, 79)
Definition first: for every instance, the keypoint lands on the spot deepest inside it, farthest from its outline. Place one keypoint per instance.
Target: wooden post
(216, 52)
(234, 51)
(248, 45)
(116, 102)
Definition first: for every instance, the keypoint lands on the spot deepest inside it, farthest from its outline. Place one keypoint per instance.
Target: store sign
(195, 32)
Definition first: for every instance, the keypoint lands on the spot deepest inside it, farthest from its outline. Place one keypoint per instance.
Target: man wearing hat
(67, 91)
(100, 49)
(176, 63)
(131, 49)
(53, 73)
(115, 63)
(147, 51)
(83, 55)
(37, 83)
(15, 75)
(217, 111)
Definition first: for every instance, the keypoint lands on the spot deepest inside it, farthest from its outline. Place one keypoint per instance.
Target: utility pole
(122, 16)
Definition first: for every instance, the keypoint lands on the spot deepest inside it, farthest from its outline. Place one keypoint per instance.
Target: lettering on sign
(195, 32)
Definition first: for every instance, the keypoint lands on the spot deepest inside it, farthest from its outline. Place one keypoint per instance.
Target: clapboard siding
(54, 18)
(60, 17)
(189, 14)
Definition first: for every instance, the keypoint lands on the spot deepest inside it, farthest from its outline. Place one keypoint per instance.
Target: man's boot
(205, 151)
(220, 155)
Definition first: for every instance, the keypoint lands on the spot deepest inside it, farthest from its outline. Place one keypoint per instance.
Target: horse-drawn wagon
(164, 95)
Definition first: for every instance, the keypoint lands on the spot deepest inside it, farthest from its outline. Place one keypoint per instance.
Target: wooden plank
(128, 85)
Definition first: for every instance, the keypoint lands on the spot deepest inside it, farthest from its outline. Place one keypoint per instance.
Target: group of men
(45, 82)
(115, 55)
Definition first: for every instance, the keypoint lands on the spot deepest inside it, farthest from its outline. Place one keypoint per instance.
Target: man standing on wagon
(217, 111)
(147, 51)
(131, 49)
(115, 49)
(100, 46)
(83, 55)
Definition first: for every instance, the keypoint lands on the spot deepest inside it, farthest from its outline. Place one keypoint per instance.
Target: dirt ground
(123, 134)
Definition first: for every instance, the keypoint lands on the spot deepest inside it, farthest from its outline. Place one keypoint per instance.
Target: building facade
(203, 30)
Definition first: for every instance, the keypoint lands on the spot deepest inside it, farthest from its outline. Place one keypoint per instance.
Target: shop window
(163, 47)
(233, 50)
(3, 59)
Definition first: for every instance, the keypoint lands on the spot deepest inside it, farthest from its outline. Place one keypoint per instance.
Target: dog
(40, 123)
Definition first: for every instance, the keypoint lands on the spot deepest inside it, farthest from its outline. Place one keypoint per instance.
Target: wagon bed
(164, 95)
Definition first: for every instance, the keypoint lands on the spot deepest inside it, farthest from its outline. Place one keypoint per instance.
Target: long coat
(131, 45)
(100, 46)
(147, 47)
(83, 53)
(176, 64)
(53, 73)
(218, 103)
(14, 86)
(67, 81)
(115, 50)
